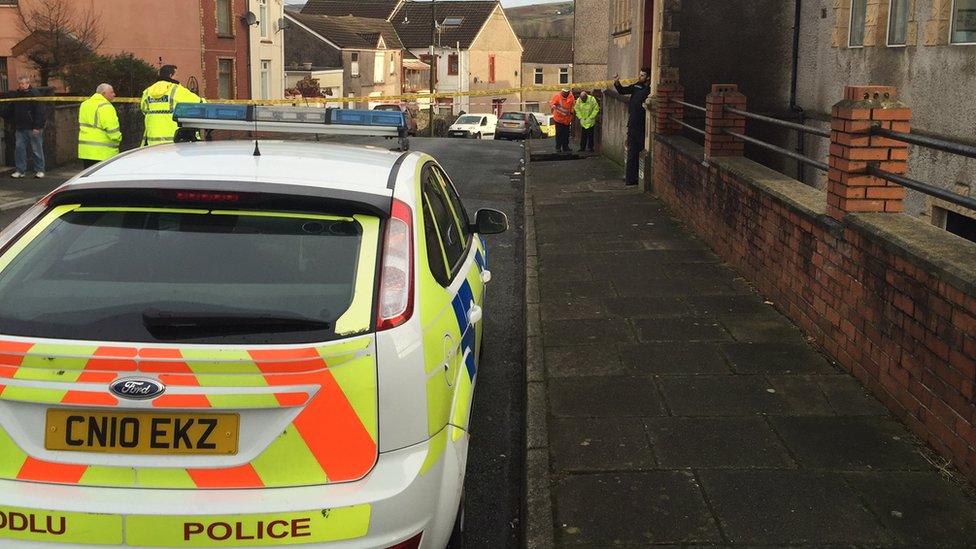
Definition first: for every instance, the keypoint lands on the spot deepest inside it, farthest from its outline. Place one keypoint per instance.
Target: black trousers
(586, 138)
(635, 144)
(88, 163)
(562, 137)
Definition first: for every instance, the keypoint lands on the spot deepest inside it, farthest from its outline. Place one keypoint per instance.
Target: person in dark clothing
(27, 118)
(636, 119)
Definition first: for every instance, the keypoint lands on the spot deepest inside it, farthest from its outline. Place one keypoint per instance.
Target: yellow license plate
(141, 432)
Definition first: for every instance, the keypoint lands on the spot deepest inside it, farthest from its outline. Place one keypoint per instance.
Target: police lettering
(239, 531)
(126, 432)
(12, 521)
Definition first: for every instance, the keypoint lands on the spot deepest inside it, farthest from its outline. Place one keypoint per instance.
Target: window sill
(619, 34)
(266, 41)
(230, 36)
(962, 43)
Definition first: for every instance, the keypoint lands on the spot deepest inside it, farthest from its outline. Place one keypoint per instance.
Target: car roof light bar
(307, 120)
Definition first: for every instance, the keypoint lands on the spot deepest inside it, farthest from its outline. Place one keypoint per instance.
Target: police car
(241, 344)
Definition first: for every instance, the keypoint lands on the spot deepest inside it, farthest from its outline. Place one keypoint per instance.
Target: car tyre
(457, 534)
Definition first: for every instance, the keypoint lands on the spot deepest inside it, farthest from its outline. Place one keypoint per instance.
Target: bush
(126, 73)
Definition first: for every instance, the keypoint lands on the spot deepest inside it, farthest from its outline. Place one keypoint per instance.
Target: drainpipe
(794, 75)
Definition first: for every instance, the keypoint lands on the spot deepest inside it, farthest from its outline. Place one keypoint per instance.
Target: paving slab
(660, 507)
(803, 394)
(605, 396)
(646, 307)
(575, 308)
(725, 442)
(586, 332)
(651, 330)
(600, 444)
(670, 358)
(849, 443)
(584, 360)
(779, 357)
(721, 396)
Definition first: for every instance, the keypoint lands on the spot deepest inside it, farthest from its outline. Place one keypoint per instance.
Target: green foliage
(126, 73)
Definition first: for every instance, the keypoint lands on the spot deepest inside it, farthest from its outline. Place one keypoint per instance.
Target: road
(483, 172)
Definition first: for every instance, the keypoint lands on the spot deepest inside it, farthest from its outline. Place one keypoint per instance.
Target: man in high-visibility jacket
(587, 110)
(562, 116)
(158, 102)
(99, 134)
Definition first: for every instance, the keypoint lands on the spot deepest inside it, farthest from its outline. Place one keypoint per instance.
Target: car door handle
(486, 276)
(474, 314)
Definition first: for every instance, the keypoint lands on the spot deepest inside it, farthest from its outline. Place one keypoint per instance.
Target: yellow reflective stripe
(32, 233)
(58, 527)
(96, 475)
(357, 379)
(13, 457)
(315, 526)
(462, 400)
(289, 462)
(163, 478)
(284, 215)
(340, 353)
(438, 401)
(435, 450)
(217, 364)
(58, 357)
(140, 210)
(33, 394)
(97, 144)
(223, 402)
(360, 311)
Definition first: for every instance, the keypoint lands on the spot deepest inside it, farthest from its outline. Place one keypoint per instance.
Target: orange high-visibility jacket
(562, 108)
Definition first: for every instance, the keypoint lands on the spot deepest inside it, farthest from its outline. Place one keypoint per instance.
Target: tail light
(396, 272)
(412, 543)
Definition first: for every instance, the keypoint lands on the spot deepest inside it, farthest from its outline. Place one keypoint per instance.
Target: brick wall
(891, 298)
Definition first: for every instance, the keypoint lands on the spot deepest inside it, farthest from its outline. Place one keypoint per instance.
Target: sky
(506, 3)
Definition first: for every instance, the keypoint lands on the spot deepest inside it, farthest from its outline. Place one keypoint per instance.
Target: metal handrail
(689, 105)
(687, 126)
(798, 157)
(921, 187)
(776, 121)
(928, 142)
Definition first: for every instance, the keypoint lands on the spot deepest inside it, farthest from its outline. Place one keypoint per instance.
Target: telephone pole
(433, 63)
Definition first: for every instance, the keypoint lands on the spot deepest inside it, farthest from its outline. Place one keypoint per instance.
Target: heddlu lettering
(239, 531)
(13, 521)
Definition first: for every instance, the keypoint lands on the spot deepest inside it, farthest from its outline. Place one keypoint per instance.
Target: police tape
(314, 101)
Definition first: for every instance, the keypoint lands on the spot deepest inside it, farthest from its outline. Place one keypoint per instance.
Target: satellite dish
(283, 24)
(249, 19)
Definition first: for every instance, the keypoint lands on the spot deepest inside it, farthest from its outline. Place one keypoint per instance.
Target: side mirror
(488, 221)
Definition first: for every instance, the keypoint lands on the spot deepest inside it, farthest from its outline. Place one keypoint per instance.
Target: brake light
(412, 543)
(206, 196)
(396, 269)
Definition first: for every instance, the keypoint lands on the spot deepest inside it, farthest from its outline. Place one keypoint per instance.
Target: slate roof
(375, 9)
(351, 32)
(549, 51)
(412, 21)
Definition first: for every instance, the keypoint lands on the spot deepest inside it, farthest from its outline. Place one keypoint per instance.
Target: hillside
(543, 20)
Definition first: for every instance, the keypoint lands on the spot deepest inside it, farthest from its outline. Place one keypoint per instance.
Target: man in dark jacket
(636, 117)
(27, 118)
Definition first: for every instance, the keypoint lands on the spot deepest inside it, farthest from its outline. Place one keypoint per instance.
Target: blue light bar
(211, 111)
(359, 117)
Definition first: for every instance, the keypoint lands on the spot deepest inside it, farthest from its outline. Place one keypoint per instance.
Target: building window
(263, 17)
(224, 17)
(898, 22)
(963, 22)
(225, 78)
(354, 64)
(859, 10)
(491, 68)
(379, 63)
(621, 16)
(532, 106)
(539, 77)
(392, 64)
(452, 64)
(265, 79)
(564, 75)
(4, 80)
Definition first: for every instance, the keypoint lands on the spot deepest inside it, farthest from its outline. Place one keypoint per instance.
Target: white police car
(237, 344)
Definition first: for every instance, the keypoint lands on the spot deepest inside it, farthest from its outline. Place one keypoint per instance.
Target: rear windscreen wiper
(182, 323)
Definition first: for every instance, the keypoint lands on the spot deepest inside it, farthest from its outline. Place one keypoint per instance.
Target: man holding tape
(636, 126)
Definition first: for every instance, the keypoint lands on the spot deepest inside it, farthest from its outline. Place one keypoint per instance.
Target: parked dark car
(411, 118)
(518, 125)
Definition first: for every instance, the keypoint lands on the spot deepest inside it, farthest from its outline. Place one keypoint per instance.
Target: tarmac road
(483, 172)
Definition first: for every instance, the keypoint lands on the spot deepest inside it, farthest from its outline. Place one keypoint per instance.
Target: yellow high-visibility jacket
(158, 102)
(98, 129)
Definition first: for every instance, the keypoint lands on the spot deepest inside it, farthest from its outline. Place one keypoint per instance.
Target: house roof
(374, 9)
(412, 21)
(348, 31)
(549, 51)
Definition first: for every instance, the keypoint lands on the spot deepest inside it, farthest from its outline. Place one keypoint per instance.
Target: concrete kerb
(20, 203)
(538, 524)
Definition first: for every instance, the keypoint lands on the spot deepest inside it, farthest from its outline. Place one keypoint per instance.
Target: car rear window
(469, 120)
(513, 116)
(148, 275)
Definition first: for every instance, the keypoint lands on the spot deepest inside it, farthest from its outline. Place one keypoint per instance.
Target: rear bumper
(410, 490)
(512, 133)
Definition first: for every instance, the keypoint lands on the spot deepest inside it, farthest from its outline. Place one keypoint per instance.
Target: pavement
(670, 404)
(16, 194)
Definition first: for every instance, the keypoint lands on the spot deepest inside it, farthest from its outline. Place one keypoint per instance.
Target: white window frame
(564, 72)
(850, 26)
(539, 76)
(354, 64)
(908, 7)
(392, 63)
(952, 30)
(265, 79)
(263, 17)
(379, 67)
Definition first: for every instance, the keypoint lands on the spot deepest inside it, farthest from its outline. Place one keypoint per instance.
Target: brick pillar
(717, 120)
(849, 187)
(666, 108)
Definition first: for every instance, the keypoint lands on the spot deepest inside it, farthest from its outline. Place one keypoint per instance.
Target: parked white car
(476, 126)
